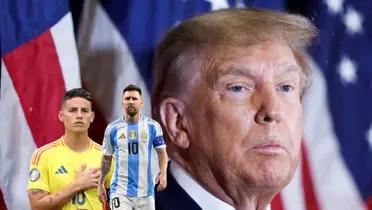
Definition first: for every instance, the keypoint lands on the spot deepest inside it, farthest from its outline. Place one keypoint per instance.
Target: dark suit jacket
(174, 197)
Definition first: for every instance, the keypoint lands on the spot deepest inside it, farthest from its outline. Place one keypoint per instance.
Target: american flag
(342, 53)
(39, 62)
(116, 42)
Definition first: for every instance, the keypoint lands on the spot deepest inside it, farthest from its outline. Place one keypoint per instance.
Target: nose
(79, 114)
(269, 110)
(130, 100)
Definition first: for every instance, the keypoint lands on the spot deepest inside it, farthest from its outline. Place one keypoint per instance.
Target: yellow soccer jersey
(53, 167)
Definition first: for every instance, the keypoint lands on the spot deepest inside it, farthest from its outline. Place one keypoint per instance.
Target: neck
(78, 142)
(237, 195)
(132, 119)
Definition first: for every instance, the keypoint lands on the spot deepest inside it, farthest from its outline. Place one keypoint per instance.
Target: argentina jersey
(133, 146)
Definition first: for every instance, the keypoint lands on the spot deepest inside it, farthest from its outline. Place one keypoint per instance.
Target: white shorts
(132, 203)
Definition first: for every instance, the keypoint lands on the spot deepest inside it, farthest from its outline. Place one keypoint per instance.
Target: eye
(285, 88)
(72, 110)
(236, 88)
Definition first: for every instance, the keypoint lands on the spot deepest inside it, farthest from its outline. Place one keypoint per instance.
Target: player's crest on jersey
(34, 175)
(132, 134)
(144, 136)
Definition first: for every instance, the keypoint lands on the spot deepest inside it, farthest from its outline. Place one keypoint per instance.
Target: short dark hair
(77, 92)
(132, 87)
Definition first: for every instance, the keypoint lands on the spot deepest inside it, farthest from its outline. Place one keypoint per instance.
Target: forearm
(105, 168)
(163, 160)
(41, 199)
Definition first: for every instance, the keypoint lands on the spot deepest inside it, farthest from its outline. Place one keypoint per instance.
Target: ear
(172, 114)
(142, 102)
(92, 115)
(122, 100)
(60, 116)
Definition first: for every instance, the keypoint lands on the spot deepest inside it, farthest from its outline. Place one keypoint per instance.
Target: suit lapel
(174, 197)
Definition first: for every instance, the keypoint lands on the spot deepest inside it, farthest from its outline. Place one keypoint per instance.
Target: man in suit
(228, 91)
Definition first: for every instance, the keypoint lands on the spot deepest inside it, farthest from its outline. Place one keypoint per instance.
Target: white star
(353, 21)
(219, 4)
(240, 4)
(369, 136)
(334, 6)
(347, 70)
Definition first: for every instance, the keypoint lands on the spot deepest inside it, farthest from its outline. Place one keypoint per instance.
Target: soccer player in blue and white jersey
(133, 140)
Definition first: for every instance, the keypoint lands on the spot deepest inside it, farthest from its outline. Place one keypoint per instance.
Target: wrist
(76, 187)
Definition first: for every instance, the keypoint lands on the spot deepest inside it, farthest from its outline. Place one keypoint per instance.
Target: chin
(80, 129)
(272, 175)
(275, 181)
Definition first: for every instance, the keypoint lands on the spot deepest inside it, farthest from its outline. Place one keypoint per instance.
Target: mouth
(78, 123)
(269, 148)
(131, 109)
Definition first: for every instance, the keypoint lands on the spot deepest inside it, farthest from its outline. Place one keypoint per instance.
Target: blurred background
(48, 47)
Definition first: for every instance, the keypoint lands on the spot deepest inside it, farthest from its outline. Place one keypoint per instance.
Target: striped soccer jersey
(133, 146)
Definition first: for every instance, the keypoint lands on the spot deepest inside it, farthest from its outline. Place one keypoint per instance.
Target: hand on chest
(63, 171)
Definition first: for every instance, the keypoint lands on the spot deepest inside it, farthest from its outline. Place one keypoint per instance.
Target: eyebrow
(288, 69)
(244, 71)
(216, 74)
(75, 108)
(236, 71)
(129, 97)
(213, 76)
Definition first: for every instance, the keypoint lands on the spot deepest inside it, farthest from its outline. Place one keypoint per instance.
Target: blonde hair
(214, 31)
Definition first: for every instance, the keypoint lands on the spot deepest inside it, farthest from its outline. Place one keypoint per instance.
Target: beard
(132, 111)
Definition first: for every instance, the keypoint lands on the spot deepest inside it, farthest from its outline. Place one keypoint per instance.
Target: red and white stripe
(34, 78)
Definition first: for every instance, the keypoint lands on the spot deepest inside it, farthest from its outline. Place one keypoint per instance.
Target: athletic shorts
(132, 203)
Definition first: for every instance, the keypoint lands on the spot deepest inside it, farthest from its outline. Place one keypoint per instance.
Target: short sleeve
(107, 149)
(38, 173)
(158, 141)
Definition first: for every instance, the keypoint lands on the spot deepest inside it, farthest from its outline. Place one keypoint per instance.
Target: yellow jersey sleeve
(38, 174)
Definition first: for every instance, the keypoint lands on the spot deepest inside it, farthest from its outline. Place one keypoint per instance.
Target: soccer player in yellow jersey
(64, 174)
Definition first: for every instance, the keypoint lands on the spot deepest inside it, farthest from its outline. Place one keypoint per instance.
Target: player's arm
(107, 151)
(159, 144)
(163, 164)
(85, 179)
(163, 159)
(105, 168)
(41, 199)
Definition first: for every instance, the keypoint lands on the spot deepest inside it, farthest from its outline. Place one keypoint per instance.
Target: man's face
(246, 117)
(76, 114)
(132, 102)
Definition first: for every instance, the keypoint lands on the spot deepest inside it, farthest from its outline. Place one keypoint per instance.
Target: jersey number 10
(133, 148)
(79, 198)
